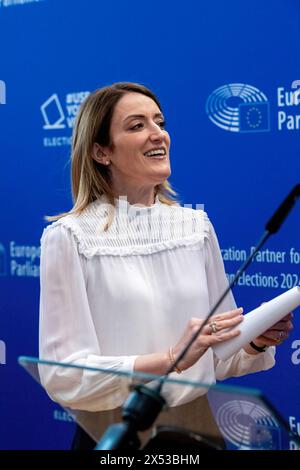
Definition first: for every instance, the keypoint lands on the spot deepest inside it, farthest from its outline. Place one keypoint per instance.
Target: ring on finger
(213, 326)
(280, 336)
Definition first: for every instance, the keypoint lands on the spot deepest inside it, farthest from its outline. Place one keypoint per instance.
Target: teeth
(159, 152)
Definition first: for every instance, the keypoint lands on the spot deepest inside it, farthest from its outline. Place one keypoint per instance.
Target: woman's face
(139, 151)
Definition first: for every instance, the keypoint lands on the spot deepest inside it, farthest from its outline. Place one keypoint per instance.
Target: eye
(136, 126)
(162, 124)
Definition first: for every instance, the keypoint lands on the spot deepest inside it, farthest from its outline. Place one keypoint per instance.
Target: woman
(128, 275)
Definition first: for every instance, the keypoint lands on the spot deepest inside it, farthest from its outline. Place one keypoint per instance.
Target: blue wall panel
(54, 52)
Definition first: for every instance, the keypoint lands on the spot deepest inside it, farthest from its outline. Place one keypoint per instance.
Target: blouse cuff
(128, 366)
(263, 361)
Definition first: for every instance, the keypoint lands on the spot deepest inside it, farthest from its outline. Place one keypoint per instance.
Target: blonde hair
(90, 179)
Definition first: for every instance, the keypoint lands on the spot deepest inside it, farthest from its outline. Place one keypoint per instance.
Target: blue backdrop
(227, 76)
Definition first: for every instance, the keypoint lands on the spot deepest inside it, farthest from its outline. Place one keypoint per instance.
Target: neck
(142, 196)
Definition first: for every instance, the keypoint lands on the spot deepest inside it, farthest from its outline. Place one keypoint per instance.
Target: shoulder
(77, 226)
(198, 217)
(190, 212)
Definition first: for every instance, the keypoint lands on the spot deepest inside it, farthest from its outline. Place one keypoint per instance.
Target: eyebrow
(141, 116)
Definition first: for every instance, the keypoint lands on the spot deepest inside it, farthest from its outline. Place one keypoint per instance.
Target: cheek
(129, 145)
(168, 139)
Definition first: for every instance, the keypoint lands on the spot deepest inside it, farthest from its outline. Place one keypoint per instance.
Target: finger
(225, 335)
(227, 315)
(283, 325)
(224, 324)
(275, 335)
(267, 341)
(288, 317)
(207, 330)
(218, 325)
(271, 335)
(211, 340)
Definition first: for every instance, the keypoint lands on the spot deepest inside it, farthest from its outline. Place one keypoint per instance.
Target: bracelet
(258, 348)
(172, 361)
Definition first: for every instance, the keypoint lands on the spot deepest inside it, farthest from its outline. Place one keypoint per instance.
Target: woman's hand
(213, 333)
(277, 334)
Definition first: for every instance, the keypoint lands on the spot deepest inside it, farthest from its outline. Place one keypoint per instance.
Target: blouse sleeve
(67, 332)
(241, 363)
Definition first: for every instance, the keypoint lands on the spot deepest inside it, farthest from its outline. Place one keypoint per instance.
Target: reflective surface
(216, 417)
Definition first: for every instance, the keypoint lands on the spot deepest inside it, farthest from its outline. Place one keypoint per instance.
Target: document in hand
(259, 320)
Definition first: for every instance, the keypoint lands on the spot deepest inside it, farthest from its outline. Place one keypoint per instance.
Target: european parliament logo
(239, 107)
(248, 425)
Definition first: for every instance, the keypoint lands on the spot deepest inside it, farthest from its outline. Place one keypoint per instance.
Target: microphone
(283, 210)
(143, 405)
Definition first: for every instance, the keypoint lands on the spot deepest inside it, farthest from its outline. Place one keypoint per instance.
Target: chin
(159, 174)
(164, 172)
(162, 177)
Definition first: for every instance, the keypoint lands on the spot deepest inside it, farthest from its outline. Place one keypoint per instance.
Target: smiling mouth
(158, 153)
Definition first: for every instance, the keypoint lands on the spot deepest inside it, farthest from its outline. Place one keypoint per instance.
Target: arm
(67, 332)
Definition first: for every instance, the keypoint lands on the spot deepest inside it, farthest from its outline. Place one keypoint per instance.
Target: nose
(156, 133)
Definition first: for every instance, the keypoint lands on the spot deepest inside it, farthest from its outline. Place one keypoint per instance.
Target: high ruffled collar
(122, 205)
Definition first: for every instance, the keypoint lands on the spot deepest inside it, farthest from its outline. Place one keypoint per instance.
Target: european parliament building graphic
(239, 107)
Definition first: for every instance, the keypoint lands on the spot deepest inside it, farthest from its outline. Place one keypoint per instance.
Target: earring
(107, 162)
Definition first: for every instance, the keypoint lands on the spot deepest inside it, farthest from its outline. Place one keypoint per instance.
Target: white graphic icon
(13, 3)
(53, 113)
(239, 107)
(2, 352)
(248, 425)
(2, 92)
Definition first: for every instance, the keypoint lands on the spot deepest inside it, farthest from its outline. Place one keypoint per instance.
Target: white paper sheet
(259, 320)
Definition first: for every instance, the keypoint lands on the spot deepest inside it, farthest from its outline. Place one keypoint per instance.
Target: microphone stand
(143, 405)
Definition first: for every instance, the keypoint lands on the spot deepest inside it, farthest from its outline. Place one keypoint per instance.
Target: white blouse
(108, 296)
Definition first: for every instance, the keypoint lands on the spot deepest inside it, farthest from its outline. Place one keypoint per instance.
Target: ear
(99, 155)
